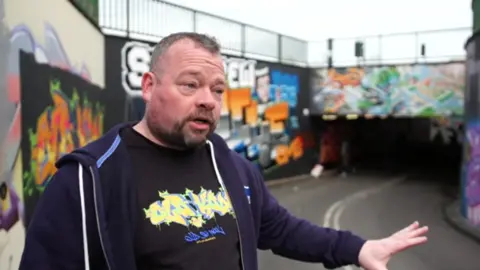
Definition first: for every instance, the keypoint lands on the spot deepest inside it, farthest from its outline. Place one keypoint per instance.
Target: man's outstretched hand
(375, 254)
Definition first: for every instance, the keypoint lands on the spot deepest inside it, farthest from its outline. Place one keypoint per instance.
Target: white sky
(320, 19)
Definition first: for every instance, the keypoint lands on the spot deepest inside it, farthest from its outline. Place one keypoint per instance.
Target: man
(262, 86)
(167, 193)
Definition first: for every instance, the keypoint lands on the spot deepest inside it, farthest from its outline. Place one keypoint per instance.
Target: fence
(440, 46)
(153, 19)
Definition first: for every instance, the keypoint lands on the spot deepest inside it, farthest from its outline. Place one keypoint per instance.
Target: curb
(302, 177)
(453, 216)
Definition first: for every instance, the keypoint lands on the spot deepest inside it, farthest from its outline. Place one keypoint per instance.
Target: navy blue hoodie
(87, 214)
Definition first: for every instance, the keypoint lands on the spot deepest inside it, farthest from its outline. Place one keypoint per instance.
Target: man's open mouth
(201, 120)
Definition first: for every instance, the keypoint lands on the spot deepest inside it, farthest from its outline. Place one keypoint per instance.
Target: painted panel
(60, 112)
(403, 91)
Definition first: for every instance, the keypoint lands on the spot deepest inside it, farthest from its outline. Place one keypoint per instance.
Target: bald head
(206, 42)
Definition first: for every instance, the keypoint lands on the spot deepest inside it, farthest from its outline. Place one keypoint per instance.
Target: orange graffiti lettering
(282, 154)
(352, 77)
(276, 114)
(239, 101)
(285, 152)
(61, 128)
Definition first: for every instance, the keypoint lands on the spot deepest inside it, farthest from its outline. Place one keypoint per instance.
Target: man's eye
(219, 91)
(191, 85)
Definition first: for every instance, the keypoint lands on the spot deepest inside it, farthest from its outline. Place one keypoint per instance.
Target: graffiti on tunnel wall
(413, 90)
(471, 173)
(64, 126)
(258, 119)
(447, 130)
(47, 34)
(65, 113)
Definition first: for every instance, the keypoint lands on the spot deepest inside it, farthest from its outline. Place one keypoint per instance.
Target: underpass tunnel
(405, 170)
(431, 147)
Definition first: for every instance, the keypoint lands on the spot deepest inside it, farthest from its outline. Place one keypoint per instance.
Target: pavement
(374, 205)
(459, 222)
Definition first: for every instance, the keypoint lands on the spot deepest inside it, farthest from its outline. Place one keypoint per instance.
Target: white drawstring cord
(84, 217)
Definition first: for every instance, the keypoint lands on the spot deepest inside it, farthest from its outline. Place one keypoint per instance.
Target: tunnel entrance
(430, 146)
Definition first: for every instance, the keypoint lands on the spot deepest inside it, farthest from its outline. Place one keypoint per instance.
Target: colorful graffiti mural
(48, 37)
(66, 125)
(472, 173)
(414, 90)
(52, 52)
(60, 112)
(257, 117)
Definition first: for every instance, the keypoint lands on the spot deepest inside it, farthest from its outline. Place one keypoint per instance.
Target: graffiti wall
(260, 112)
(259, 118)
(11, 206)
(471, 173)
(60, 112)
(47, 33)
(447, 130)
(409, 90)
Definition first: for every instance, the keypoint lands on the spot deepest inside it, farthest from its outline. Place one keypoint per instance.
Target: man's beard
(179, 136)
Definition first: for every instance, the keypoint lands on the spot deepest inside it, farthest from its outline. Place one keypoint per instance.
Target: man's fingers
(416, 241)
(411, 227)
(410, 242)
(418, 232)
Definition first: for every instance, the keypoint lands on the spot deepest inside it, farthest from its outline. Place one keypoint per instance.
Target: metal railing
(150, 20)
(153, 19)
(401, 48)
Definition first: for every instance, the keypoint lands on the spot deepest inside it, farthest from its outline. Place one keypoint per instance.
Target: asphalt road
(376, 207)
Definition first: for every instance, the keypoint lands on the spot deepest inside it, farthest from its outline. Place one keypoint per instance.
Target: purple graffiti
(472, 185)
(9, 208)
(52, 52)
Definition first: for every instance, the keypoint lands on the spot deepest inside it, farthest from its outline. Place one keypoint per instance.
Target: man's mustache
(206, 116)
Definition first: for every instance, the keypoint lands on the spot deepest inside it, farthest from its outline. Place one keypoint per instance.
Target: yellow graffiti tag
(188, 209)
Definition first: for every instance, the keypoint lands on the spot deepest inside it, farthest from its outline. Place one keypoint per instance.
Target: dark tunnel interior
(420, 146)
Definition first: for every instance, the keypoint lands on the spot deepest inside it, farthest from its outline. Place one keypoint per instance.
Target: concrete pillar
(471, 148)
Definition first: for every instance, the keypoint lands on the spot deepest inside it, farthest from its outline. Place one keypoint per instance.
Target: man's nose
(206, 99)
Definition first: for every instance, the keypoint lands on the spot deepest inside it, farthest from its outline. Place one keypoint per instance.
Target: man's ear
(148, 85)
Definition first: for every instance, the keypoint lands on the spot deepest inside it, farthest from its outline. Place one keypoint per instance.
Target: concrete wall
(57, 34)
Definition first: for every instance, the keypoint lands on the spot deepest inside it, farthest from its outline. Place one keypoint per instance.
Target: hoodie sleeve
(54, 235)
(299, 239)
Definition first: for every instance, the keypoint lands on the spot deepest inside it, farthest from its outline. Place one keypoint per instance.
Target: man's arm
(54, 235)
(299, 239)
